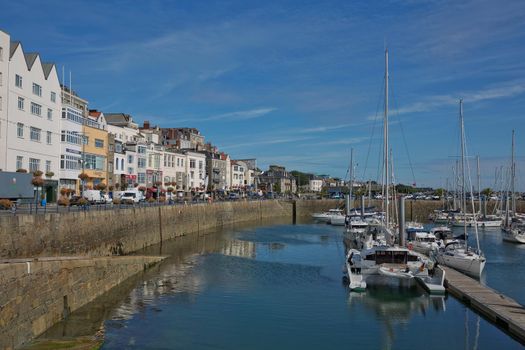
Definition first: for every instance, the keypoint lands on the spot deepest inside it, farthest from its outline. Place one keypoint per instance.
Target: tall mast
(386, 146)
(479, 184)
(513, 178)
(351, 183)
(463, 184)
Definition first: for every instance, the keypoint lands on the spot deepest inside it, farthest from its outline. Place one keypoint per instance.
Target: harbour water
(279, 287)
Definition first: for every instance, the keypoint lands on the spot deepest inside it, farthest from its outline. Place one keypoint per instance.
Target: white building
(71, 138)
(238, 174)
(196, 171)
(315, 185)
(30, 109)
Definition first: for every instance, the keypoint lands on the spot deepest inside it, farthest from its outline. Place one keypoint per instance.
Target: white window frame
(37, 89)
(20, 130)
(21, 103)
(49, 114)
(53, 96)
(36, 109)
(19, 162)
(34, 134)
(48, 137)
(19, 81)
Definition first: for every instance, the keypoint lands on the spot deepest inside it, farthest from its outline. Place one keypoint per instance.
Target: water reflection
(394, 306)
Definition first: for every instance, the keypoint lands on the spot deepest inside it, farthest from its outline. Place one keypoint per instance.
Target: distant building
(315, 184)
(277, 179)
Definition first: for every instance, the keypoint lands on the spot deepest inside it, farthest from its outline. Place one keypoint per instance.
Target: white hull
(472, 267)
(337, 220)
(490, 223)
(514, 237)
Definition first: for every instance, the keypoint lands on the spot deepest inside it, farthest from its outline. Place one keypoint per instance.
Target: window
(116, 164)
(141, 178)
(122, 164)
(110, 167)
(48, 137)
(19, 162)
(53, 97)
(70, 162)
(192, 163)
(99, 143)
(94, 162)
(18, 81)
(0, 103)
(21, 103)
(20, 130)
(48, 166)
(130, 159)
(0, 78)
(36, 109)
(142, 150)
(34, 165)
(130, 170)
(71, 137)
(37, 89)
(35, 134)
(118, 147)
(178, 159)
(141, 163)
(49, 114)
(201, 164)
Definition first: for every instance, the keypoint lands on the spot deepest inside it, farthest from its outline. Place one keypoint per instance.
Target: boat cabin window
(391, 257)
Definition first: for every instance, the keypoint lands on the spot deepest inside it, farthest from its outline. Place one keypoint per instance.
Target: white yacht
(516, 233)
(424, 243)
(458, 255)
(490, 221)
(327, 215)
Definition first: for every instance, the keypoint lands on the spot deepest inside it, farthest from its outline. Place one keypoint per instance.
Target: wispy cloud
(268, 141)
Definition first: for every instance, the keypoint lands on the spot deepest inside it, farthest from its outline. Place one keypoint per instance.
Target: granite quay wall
(122, 231)
(36, 294)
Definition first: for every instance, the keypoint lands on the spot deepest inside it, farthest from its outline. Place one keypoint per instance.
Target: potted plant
(21, 170)
(37, 173)
(83, 176)
(50, 174)
(37, 181)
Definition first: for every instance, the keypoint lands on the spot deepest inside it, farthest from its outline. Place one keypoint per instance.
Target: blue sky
(298, 83)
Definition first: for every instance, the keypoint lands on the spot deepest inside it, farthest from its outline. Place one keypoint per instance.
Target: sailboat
(514, 228)
(458, 254)
(374, 254)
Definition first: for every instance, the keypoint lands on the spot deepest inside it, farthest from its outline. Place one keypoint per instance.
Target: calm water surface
(280, 287)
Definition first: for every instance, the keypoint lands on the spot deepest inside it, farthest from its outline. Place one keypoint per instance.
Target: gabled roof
(47, 67)
(30, 59)
(14, 46)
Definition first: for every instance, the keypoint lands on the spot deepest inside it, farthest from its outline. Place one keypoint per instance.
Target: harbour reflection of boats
(395, 306)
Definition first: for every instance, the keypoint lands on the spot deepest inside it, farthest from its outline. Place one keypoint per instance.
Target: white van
(94, 196)
(133, 196)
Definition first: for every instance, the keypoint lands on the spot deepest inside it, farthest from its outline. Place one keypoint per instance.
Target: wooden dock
(498, 308)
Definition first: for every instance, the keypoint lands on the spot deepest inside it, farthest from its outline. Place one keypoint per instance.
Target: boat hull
(471, 267)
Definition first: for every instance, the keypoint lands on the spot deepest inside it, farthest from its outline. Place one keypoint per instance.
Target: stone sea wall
(34, 295)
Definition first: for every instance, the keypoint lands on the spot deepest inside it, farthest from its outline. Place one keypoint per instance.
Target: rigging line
(396, 114)
(374, 124)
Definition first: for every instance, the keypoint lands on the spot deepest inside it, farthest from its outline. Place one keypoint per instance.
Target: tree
(439, 192)
(487, 192)
(277, 187)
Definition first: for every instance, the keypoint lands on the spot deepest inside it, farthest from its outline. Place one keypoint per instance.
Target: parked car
(233, 196)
